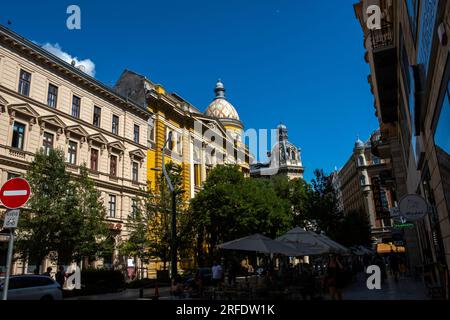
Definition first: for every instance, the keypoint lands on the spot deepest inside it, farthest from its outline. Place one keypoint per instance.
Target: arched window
(362, 180)
(361, 161)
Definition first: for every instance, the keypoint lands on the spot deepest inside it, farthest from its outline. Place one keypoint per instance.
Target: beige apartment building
(47, 103)
(409, 76)
(363, 185)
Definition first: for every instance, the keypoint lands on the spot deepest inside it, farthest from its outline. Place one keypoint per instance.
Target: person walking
(232, 273)
(334, 279)
(394, 264)
(48, 273)
(217, 274)
(60, 276)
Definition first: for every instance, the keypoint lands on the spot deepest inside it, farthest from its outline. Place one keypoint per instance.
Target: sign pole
(14, 194)
(8, 264)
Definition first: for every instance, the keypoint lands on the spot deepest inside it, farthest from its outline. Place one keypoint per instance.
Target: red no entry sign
(15, 193)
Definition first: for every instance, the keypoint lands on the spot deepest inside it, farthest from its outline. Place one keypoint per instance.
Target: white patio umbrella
(259, 243)
(306, 239)
(338, 248)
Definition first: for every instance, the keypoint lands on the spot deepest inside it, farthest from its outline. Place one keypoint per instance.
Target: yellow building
(200, 140)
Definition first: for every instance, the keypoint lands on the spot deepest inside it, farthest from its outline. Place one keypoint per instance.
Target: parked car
(32, 287)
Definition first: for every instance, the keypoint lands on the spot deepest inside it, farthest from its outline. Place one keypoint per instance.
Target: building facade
(284, 159)
(48, 103)
(409, 62)
(200, 140)
(361, 184)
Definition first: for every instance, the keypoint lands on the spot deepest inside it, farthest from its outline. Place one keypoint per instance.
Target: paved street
(129, 294)
(405, 289)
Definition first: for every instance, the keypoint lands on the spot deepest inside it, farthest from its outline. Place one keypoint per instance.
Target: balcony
(17, 153)
(382, 38)
(379, 147)
(384, 54)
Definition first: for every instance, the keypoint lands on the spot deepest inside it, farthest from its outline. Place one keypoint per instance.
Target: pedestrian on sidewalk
(334, 278)
(48, 273)
(60, 276)
(394, 264)
(217, 274)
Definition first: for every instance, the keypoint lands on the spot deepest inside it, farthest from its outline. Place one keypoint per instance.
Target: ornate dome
(220, 108)
(359, 144)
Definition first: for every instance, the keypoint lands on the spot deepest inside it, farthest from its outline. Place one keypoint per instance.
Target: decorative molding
(53, 121)
(66, 115)
(76, 130)
(118, 146)
(99, 139)
(137, 154)
(25, 111)
(3, 104)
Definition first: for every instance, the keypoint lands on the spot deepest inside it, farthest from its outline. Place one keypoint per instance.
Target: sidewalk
(405, 289)
(128, 294)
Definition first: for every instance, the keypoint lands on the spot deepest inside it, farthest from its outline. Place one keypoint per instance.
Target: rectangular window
(115, 124)
(136, 134)
(113, 166)
(112, 206)
(94, 159)
(179, 144)
(24, 83)
(72, 152)
(76, 106)
(52, 97)
(12, 175)
(197, 175)
(170, 144)
(413, 12)
(135, 173)
(428, 16)
(133, 208)
(151, 129)
(97, 116)
(442, 143)
(18, 135)
(47, 142)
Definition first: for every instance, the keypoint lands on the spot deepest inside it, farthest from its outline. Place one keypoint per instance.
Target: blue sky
(290, 61)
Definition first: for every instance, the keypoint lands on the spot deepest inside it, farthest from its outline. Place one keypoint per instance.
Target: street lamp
(174, 271)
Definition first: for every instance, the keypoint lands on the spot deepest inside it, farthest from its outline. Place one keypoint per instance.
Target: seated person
(177, 288)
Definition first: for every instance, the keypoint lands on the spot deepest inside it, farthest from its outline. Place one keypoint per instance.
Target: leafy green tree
(323, 204)
(93, 235)
(150, 234)
(138, 242)
(300, 197)
(52, 202)
(65, 220)
(230, 206)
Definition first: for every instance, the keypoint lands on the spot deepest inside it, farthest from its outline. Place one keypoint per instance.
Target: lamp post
(173, 250)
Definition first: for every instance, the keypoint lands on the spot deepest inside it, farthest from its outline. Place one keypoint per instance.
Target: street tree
(43, 226)
(230, 206)
(65, 217)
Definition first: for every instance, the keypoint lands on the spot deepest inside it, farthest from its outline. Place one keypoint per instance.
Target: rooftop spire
(220, 89)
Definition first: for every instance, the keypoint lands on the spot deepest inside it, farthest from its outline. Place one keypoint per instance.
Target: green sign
(404, 226)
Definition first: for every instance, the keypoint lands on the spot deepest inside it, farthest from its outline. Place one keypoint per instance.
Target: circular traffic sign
(15, 193)
(413, 207)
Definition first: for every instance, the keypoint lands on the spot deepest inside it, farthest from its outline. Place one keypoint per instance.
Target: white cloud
(86, 65)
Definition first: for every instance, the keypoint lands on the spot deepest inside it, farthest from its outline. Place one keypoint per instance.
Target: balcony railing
(382, 38)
